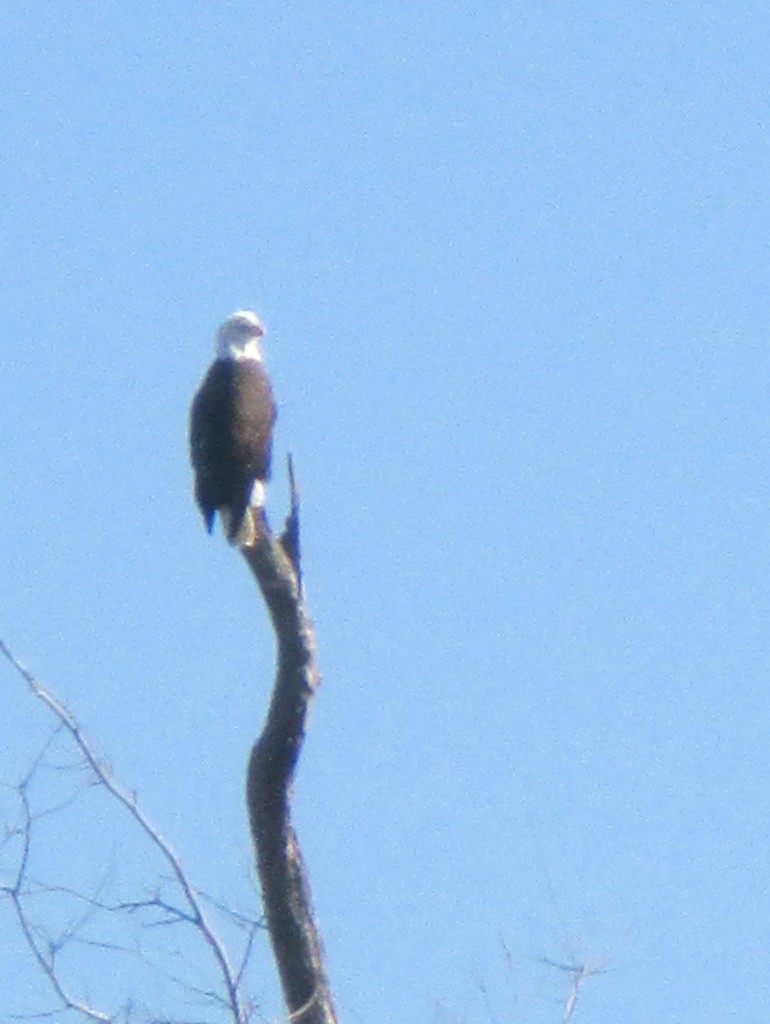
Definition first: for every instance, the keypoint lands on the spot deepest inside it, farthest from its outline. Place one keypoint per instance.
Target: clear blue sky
(513, 261)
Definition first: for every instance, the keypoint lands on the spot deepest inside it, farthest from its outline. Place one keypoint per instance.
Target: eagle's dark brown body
(231, 439)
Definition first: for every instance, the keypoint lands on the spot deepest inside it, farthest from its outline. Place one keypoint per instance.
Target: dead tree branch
(192, 910)
(285, 889)
(580, 974)
(44, 954)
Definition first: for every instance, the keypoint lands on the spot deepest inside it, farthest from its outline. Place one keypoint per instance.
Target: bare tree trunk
(285, 888)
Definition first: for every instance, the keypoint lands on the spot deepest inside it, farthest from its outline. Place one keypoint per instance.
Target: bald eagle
(231, 430)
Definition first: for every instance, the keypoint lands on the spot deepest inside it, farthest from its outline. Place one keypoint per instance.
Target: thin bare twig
(45, 960)
(580, 973)
(196, 916)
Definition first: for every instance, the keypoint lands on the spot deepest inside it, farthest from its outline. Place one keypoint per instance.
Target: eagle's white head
(239, 335)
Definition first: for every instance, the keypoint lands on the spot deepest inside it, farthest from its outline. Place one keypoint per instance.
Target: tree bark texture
(285, 889)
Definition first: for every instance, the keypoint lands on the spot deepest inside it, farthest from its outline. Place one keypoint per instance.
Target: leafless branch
(285, 888)
(192, 912)
(275, 562)
(580, 973)
(45, 958)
